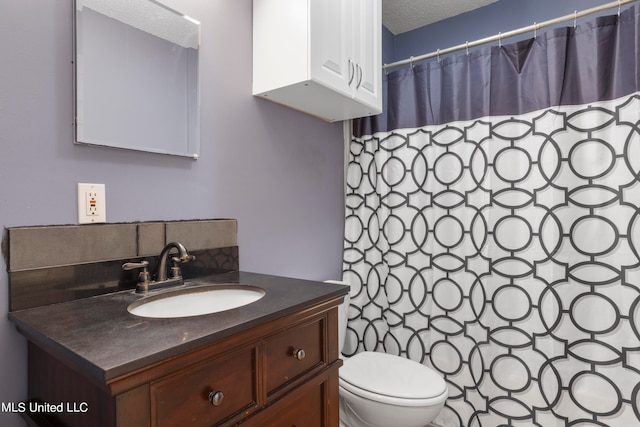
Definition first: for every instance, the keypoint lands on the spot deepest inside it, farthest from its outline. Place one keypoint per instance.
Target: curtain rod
(531, 28)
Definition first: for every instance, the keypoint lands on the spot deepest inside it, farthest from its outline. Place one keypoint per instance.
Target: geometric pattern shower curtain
(499, 243)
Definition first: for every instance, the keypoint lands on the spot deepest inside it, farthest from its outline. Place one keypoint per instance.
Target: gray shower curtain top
(493, 224)
(597, 60)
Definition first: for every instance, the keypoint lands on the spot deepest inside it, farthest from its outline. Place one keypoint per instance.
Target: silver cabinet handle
(215, 397)
(359, 76)
(352, 71)
(299, 354)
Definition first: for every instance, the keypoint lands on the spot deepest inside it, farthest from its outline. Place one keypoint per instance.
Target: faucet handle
(143, 277)
(182, 259)
(133, 265)
(175, 270)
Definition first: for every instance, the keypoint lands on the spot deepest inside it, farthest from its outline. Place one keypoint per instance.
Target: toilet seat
(392, 379)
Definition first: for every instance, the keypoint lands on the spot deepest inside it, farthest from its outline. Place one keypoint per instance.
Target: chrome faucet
(183, 256)
(161, 280)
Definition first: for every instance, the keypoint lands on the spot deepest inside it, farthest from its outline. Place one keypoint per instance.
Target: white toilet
(382, 390)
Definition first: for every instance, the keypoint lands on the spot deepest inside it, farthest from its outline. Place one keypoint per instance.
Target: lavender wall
(279, 172)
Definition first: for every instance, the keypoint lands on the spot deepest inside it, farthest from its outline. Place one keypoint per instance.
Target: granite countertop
(108, 341)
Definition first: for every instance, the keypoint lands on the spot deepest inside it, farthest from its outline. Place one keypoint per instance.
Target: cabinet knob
(215, 397)
(299, 354)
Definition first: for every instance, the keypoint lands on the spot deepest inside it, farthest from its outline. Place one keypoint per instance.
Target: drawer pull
(299, 354)
(215, 397)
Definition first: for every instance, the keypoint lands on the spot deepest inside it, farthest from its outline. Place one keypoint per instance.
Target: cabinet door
(304, 409)
(330, 44)
(367, 51)
(315, 403)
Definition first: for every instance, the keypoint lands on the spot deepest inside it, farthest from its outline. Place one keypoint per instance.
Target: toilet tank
(343, 315)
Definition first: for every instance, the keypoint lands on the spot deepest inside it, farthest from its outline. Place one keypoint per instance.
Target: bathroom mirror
(136, 77)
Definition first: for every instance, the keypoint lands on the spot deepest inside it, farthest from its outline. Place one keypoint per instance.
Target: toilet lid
(390, 375)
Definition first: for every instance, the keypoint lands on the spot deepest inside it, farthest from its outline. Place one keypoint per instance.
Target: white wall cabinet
(322, 57)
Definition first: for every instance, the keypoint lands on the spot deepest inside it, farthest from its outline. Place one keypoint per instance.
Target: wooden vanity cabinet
(281, 373)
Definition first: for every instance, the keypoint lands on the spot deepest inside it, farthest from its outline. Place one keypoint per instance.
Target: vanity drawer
(294, 352)
(184, 399)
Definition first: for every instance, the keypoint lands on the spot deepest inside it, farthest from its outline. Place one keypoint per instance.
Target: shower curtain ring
(575, 19)
(411, 61)
(499, 39)
(467, 46)
(535, 30)
(438, 53)
(619, 5)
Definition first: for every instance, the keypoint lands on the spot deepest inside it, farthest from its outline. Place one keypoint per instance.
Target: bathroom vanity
(273, 362)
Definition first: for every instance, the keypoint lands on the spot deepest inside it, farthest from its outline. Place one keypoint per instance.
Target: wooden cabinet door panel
(304, 407)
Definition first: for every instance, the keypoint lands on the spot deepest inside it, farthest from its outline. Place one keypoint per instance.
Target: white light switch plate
(91, 203)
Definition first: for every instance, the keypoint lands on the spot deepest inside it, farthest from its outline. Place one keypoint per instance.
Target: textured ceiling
(149, 17)
(400, 16)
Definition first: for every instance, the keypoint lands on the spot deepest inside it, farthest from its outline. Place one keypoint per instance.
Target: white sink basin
(196, 301)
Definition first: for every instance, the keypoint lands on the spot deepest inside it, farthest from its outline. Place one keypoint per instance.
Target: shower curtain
(492, 227)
